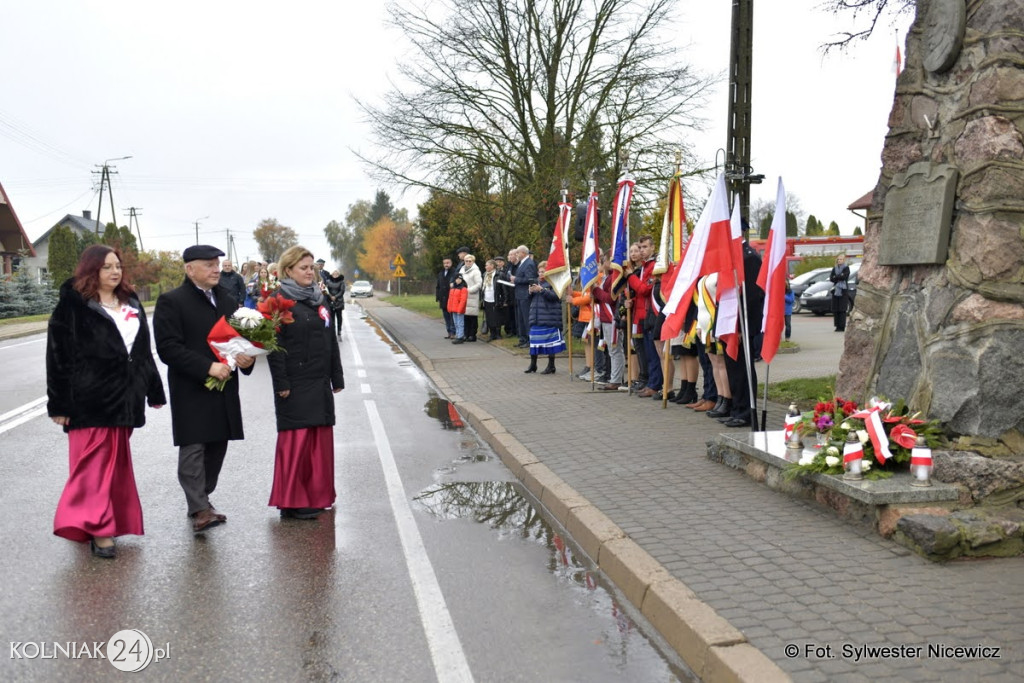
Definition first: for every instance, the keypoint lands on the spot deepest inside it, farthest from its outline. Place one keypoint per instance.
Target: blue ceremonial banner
(588, 269)
(620, 226)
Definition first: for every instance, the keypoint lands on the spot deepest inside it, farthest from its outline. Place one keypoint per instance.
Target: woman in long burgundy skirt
(99, 376)
(306, 375)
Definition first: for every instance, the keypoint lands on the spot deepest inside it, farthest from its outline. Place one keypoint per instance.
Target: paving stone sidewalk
(787, 574)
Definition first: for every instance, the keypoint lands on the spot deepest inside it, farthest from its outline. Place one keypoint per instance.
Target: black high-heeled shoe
(107, 553)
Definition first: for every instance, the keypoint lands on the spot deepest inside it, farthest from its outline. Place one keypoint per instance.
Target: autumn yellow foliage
(381, 243)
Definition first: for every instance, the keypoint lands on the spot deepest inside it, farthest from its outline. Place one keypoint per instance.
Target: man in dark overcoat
(441, 289)
(526, 275)
(203, 420)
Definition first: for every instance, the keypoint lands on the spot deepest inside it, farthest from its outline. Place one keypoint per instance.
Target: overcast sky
(238, 111)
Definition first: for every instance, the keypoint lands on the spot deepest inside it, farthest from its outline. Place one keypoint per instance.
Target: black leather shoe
(458, 340)
(736, 422)
(549, 370)
(108, 553)
(300, 513)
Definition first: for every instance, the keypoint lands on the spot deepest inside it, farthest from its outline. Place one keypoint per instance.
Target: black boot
(533, 365)
(550, 369)
(721, 409)
(688, 394)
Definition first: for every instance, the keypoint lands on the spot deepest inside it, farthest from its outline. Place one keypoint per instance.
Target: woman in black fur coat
(99, 375)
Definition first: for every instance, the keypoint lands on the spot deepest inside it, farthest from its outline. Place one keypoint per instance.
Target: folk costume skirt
(100, 498)
(304, 468)
(546, 340)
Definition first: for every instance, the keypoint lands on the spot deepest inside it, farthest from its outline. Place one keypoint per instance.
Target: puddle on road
(385, 337)
(444, 412)
(502, 506)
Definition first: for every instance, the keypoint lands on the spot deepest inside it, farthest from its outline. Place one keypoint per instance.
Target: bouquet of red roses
(249, 332)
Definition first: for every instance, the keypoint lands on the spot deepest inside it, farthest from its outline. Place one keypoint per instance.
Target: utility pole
(738, 172)
(197, 227)
(133, 215)
(105, 179)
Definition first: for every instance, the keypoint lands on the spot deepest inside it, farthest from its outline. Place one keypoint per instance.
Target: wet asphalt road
(433, 566)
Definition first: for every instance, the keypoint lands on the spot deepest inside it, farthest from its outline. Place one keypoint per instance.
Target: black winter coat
(90, 375)
(181, 322)
(234, 283)
(335, 292)
(545, 307)
(309, 368)
(443, 285)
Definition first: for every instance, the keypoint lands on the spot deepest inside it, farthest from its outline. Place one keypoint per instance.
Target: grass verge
(804, 392)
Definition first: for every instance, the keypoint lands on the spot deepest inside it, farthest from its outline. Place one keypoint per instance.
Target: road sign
(392, 266)
(399, 272)
(399, 261)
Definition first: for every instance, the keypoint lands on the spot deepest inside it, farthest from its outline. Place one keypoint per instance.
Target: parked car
(818, 297)
(360, 288)
(804, 280)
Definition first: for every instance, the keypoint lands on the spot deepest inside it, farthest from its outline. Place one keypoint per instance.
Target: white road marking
(361, 373)
(356, 358)
(365, 388)
(23, 414)
(450, 663)
(14, 346)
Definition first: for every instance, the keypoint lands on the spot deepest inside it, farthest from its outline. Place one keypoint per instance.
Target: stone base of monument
(940, 522)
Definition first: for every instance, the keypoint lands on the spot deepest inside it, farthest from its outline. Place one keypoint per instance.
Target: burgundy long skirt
(100, 498)
(304, 469)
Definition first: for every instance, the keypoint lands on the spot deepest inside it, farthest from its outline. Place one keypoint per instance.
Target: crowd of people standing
(620, 316)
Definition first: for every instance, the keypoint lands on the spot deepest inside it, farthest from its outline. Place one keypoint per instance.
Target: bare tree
(521, 95)
(873, 10)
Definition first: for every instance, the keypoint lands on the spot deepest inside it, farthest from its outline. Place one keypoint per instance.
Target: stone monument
(939, 317)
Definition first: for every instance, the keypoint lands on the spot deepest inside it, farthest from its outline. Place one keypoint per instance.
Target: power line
(23, 135)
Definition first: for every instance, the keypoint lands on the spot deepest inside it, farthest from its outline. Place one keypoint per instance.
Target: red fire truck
(797, 248)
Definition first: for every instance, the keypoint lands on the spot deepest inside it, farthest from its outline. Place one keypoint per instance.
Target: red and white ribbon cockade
(873, 421)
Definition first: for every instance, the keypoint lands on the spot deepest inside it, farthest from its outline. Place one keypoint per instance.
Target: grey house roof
(78, 225)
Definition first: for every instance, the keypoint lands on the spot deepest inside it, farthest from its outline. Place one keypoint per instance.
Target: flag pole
(629, 342)
(593, 346)
(568, 318)
(744, 330)
(666, 349)
(764, 405)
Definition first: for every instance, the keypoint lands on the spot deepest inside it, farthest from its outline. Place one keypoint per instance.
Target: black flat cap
(462, 250)
(320, 260)
(201, 252)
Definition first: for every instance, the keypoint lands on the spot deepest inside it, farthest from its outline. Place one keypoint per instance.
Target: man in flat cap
(202, 420)
(324, 273)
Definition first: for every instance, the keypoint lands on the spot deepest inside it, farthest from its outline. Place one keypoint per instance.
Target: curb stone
(709, 645)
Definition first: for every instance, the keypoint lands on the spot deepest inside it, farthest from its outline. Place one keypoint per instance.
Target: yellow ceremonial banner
(399, 272)
(673, 230)
(399, 261)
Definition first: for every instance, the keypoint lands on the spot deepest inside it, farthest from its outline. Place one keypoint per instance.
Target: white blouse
(126, 317)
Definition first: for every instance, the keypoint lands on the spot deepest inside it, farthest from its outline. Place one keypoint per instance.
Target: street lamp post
(105, 179)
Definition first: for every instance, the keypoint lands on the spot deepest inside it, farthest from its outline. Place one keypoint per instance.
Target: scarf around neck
(310, 295)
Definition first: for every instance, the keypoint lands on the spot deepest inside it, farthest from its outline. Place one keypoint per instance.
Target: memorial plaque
(917, 216)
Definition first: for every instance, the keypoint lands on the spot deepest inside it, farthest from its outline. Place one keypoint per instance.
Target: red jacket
(457, 299)
(605, 300)
(642, 287)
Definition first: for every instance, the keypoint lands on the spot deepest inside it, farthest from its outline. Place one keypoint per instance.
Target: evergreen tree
(813, 227)
(792, 228)
(857, 231)
(21, 295)
(833, 228)
(86, 240)
(63, 255)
